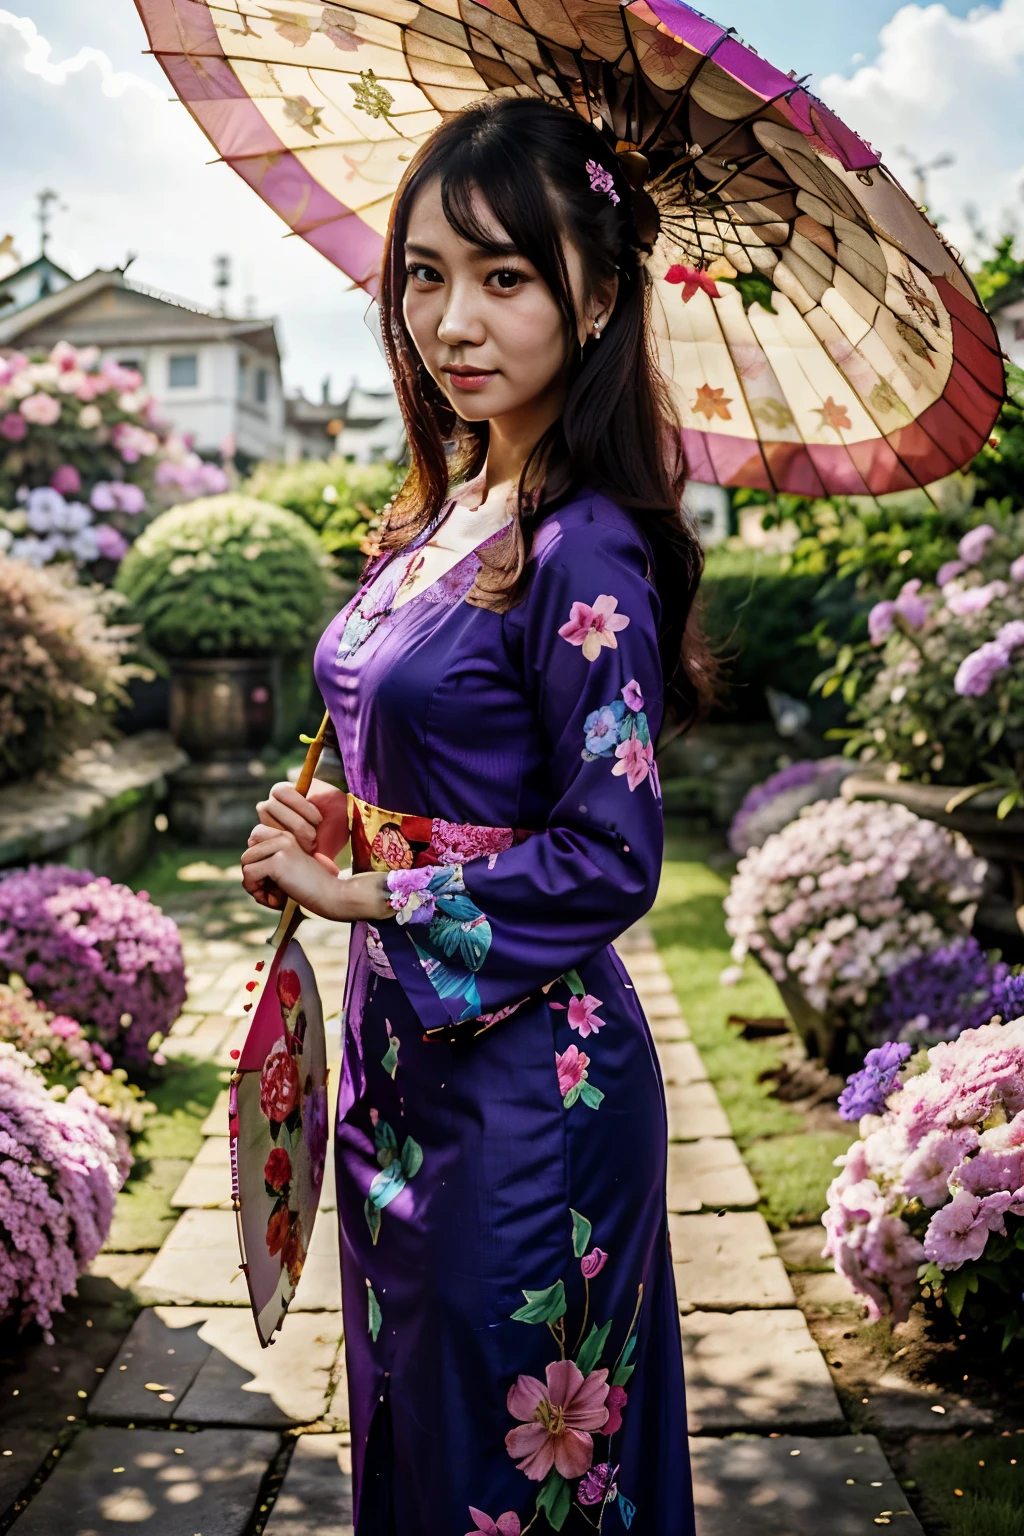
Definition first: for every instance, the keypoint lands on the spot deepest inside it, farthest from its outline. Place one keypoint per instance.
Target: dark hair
(618, 432)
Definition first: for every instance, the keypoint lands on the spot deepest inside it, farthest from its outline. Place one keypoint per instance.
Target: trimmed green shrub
(226, 576)
(341, 501)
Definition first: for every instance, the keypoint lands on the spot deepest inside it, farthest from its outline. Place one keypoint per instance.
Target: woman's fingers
(287, 809)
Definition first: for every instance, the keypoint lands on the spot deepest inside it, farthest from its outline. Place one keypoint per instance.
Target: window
(1018, 330)
(131, 362)
(262, 386)
(183, 371)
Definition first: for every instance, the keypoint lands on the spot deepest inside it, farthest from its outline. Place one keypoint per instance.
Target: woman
(511, 1334)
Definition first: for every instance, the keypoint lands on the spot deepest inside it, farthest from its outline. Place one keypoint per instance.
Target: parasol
(819, 335)
(277, 1118)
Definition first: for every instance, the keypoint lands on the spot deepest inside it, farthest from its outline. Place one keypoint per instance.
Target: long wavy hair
(618, 433)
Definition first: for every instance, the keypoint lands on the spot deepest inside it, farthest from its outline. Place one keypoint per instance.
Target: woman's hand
(275, 867)
(318, 820)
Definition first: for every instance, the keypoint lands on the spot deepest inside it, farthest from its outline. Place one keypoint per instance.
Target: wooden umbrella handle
(307, 773)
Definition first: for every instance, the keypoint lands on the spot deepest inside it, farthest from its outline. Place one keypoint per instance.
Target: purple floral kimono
(511, 1333)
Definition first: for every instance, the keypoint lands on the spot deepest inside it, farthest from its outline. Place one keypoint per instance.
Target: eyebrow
(484, 251)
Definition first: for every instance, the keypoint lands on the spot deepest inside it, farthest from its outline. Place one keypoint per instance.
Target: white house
(215, 378)
(1007, 308)
(372, 430)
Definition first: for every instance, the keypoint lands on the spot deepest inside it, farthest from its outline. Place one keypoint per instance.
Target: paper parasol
(277, 1118)
(819, 335)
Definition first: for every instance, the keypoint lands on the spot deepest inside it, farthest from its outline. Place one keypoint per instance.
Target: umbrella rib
(684, 91)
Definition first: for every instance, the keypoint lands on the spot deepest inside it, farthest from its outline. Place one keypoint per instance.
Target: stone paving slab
(797, 1486)
(165, 1483)
(899, 1407)
(727, 1263)
(694, 1112)
(316, 1495)
(198, 1266)
(708, 1175)
(665, 1030)
(216, 1122)
(756, 1371)
(681, 1063)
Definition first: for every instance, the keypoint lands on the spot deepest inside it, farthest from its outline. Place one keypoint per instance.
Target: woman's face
(487, 326)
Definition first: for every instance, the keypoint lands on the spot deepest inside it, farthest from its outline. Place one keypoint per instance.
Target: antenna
(222, 279)
(45, 201)
(920, 171)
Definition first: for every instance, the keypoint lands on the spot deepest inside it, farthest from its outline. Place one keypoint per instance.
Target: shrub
(85, 457)
(62, 671)
(58, 1180)
(844, 895)
(96, 951)
(226, 576)
(770, 806)
(341, 501)
(931, 1198)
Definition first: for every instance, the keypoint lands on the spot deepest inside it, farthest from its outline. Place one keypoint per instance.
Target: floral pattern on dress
(620, 730)
(594, 625)
(397, 1166)
(452, 934)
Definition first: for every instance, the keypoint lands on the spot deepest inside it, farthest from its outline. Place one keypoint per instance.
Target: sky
(91, 117)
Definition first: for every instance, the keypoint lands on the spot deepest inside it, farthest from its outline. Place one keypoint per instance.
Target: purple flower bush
(937, 691)
(937, 996)
(768, 807)
(844, 895)
(930, 1200)
(96, 951)
(59, 1176)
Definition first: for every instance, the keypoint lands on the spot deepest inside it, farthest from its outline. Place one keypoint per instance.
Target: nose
(461, 322)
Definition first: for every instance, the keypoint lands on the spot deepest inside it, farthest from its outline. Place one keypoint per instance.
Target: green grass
(991, 1498)
(792, 1168)
(161, 879)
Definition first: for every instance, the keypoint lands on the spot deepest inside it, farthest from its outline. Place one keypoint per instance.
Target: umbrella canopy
(819, 335)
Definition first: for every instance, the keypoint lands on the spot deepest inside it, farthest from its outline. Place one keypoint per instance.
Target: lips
(469, 378)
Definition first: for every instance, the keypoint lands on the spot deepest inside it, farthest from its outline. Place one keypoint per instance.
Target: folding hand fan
(277, 1120)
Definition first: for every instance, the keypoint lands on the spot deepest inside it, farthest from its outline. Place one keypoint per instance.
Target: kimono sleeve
(493, 930)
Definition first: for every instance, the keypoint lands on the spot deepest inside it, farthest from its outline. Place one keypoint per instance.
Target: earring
(597, 331)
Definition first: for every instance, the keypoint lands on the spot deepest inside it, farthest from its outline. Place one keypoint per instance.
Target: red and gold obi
(383, 840)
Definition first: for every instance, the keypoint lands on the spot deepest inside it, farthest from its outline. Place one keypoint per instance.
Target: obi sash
(383, 840)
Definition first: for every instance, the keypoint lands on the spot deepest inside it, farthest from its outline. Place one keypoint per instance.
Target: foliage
(970, 1487)
(793, 1173)
(930, 1200)
(59, 1176)
(62, 671)
(96, 951)
(933, 691)
(226, 576)
(999, 467)
(843, 895)
(341, 501)
(768, 807)
(999, 269)
(80, 436)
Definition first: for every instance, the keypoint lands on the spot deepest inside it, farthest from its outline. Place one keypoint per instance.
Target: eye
(507, 279)
(423, 273)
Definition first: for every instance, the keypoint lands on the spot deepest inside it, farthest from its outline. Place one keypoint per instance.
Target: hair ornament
(602, 181)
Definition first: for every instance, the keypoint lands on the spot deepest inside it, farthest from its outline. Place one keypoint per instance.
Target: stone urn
(824, 1034)
(999, 922)
(224, 708)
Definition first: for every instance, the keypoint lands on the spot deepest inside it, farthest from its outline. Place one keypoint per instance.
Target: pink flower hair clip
(602, 181)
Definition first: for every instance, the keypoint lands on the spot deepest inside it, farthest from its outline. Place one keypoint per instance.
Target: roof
(106, 310)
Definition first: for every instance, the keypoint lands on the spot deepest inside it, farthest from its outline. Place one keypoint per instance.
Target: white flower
(85, 546)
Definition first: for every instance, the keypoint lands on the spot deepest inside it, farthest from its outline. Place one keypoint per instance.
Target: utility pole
(45, 200)
(222, 279)
(920, 172)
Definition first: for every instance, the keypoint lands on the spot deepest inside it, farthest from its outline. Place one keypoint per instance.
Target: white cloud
(38, 54)
(945, 84)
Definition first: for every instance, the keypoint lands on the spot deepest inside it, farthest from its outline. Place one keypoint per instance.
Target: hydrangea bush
(227, 576)
(62, 666)
(937, 691)
(59, 1176)
(84, 456)
(343, 502)
(96, 951)
(768, 807)
(844, 895)
(930, 1200)
(936, 996)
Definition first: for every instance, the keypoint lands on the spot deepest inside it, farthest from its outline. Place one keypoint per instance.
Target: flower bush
(84, 452)
(342, 502)
(936, 691)
(770, 806)
(62, 666)
(935, 996)
(846, 894)
(96, 951)
(59, 1175)
(226, 576)
(930, 1200)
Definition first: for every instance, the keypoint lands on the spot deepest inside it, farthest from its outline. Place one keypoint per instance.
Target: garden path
(194, 1431)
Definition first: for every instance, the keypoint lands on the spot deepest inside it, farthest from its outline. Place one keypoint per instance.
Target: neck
(513, 437)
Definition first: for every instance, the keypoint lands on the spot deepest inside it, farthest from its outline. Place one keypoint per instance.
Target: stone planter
(824, 1035)
(999, 922)
(224, 709)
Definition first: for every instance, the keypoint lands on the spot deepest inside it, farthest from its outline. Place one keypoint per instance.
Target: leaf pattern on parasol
(818, 333)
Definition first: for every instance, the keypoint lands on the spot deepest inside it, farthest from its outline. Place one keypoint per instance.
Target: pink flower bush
(972, 546)
(594, 627)
(845, 894)
(557, 1417)
(40, 410)
(934, 1181)
(96, 951)
(59, 1176)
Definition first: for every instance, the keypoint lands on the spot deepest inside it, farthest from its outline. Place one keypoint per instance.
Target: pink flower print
(616, 1403)
(571, 1067)
(456, 842)
(505, 1525)
(593, 1262)
(556, 1420)
(593, 627)
(582, 1015)
(634, 760)
(634, 699)
(957, 1232)
(598, 1485)
(392, 848)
